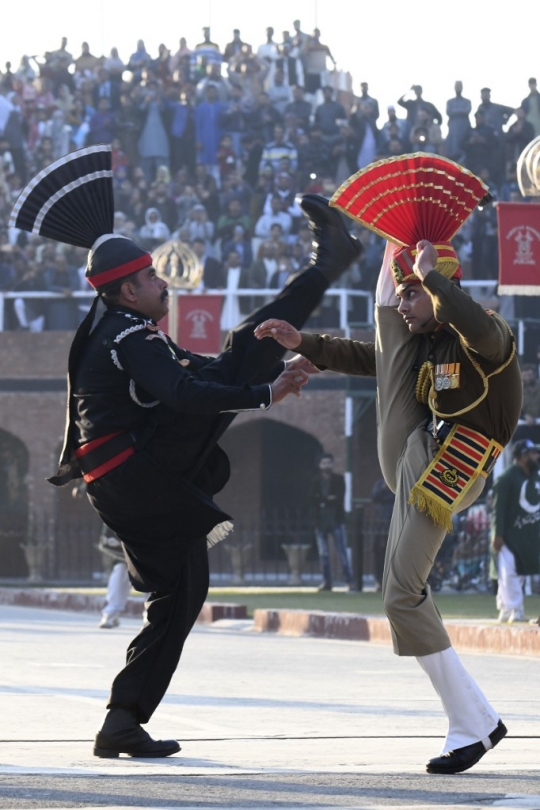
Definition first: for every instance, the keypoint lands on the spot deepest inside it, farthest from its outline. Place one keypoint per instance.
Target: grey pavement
(264, 720)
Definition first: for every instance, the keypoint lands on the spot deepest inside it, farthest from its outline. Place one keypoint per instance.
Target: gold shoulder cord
(424, 383)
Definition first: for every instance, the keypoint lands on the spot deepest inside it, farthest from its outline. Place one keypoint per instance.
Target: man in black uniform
(144, 418)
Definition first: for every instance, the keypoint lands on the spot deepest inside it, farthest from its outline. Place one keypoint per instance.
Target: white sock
(385, 293)
(470, 717)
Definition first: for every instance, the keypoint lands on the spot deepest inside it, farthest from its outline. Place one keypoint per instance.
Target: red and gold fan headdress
(409, 198)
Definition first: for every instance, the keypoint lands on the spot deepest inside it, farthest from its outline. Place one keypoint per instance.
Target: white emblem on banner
(524, 236)
(199, 319)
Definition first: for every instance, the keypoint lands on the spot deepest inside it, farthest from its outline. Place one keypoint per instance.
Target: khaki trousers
(405, 450)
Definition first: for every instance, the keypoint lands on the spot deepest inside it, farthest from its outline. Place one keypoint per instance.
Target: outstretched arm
(282, 332)
(325, 352)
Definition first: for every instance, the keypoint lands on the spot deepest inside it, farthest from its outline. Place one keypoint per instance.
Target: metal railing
(345, 298)
(269, 547)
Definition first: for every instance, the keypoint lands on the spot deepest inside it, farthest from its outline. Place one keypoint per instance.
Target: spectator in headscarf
(154, 232)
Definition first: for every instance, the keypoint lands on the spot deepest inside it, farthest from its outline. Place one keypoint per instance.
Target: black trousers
(153, 655)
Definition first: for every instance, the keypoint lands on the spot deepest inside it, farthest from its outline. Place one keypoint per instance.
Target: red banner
(519, 248)
(198, 323)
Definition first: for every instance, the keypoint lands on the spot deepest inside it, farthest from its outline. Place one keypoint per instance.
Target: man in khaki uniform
(449, 398)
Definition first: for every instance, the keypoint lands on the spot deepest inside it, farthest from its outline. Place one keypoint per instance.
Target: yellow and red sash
(464, 455)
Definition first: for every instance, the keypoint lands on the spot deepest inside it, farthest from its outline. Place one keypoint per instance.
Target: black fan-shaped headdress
(72, 201)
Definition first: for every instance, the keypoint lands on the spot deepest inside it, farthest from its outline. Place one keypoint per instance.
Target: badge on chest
(447, 376)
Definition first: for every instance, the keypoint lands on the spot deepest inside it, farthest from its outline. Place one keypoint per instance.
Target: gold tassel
(438, 513)
(424, 383)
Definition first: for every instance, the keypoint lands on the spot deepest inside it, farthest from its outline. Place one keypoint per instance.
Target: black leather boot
(333, 247)
(121, 734)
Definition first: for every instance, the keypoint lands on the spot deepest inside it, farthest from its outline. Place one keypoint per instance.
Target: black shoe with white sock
(461, 759)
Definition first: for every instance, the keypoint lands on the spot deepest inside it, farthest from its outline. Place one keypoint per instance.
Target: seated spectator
(264, 117)
(276, 237)
(180, 63)
(119, 222)
(264, 267)
(206, 190)
(248, 72)
(185, 200)
(234, 119)
(284, 271)
(161, 64)
(366, 134)
(114, 65)
(240, 245)
(299, 258)
(412, 105)
(205, 53)
(277, 149)
(328, 116)
(233, 216)
(234, 279)
(252, 148)
(198, 226)
(298, 111)
(234, 47)
(213, 276)
(101, 124)
(269, 51)
(530, 411)
(29, 312)
(345, 153)
(480, 145)
(61, 277)
(106, 88)
(458, 110)
(531, 105)
(290, 64)
(276, 216)
(395, 147)
(518, 136)
(160, 198)
(153, 144)
(235, 186)
(315, 158)
(425, 135)
(213, 78)
(284, 189)
(370, 104)
(154, 231)
(394, 128)
(226, 158)
(279, 92)
(139, 60)
(208, 114)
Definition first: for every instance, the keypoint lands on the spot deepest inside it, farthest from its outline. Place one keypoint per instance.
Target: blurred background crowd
(212, 142)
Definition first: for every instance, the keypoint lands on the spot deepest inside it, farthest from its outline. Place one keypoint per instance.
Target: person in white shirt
(230, 314)
(269, 51)
(277, 215)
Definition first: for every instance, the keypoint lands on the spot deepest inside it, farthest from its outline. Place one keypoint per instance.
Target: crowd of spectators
(210, 145)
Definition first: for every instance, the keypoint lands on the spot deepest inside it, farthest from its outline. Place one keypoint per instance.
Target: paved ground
(264, 720)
